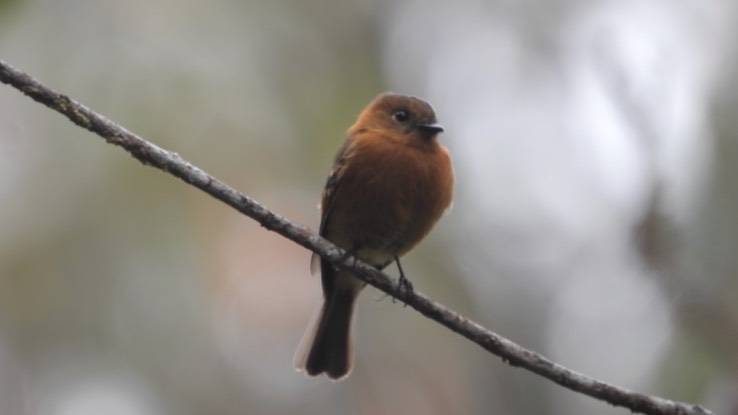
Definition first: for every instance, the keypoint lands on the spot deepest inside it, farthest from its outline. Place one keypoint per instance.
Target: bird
(389, 184)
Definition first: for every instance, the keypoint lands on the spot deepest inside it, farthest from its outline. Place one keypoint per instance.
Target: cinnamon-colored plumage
(390, 183)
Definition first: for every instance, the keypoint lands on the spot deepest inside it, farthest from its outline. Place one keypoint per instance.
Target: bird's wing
(329, 193)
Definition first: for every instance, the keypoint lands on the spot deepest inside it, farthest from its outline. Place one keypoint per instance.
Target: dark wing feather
(329, 193)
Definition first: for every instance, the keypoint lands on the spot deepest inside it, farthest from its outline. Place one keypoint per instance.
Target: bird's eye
(401, 116)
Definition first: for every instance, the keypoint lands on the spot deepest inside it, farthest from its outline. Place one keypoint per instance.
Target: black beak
(435, 127)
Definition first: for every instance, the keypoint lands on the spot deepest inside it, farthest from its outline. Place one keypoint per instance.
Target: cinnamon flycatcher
(390, 183)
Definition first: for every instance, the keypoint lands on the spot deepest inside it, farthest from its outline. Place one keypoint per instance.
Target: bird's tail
(326, 346)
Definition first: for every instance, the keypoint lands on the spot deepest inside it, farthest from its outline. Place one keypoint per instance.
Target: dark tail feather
(327, 346)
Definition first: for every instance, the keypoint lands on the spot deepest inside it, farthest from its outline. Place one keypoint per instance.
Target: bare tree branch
(172, 163)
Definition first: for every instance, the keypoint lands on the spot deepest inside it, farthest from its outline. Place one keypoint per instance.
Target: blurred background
(595, 220)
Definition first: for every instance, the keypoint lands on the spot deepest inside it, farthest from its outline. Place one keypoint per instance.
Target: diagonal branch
(170, 162)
